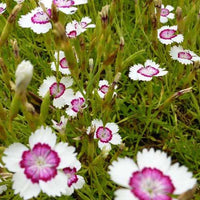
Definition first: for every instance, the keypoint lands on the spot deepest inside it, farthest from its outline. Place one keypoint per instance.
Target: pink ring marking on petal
(83, 24)
(104, 89)
(184, 55)
(63, 3)
(2, 10)
(41, 17)
(77, 104)
(148, 71)
(164, 12)
(168, 34)
(104, 134)
(64, 63)
(71, 174)
(57, 90)
(72, 34)
(151, 184)
(40, 163)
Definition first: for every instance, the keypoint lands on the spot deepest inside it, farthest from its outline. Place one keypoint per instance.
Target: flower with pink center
(153, 177)
(61, 125)
(37, 20)
(59, 91)
(166, 14)
(75, 181)
(106, 134)
(65, 6)
(168, 35)
(76, 104)
(183, 56)
(103, 88)
(40, 167)
(146, 72)
(2, 8)
(75, 28)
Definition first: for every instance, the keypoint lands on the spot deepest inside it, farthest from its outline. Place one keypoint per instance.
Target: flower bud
(23, 75)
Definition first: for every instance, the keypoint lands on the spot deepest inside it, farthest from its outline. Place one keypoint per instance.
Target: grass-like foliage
(162, 113)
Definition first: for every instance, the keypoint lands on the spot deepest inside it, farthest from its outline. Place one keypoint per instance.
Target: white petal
(68, 11)
(162, 72)
(101, 94)
(116, 139)
(78, 2)
(67, 81)
(44, 88)
(97, 123)
(13, 156)
(133, 74)
(153, 159)
(169, 7)
(43, 135)
(171, 16)
(113, 127)
(2, 187)
(66, 154)
(121, 171)
(56, 186)
(41, 28)
(163, 19)
(124, 194)
(105, 146)
(151, 63)
(103, 82)
(181, 178)
(24, 186)
(179, 38)
(79, 184)
(47, 3)
(69, 190)
(70, 112)
(91, 26)
(76, 163)
(144, 78)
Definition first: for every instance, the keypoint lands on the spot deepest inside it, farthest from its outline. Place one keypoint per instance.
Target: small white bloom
(19, 1)
(76, 104)
(60, 126)
(106, 135)
(2, 8)
(103, 88)
(146, 72)
(168, 35)
(65, 6)
(37, 20)
(23, 74)
(75, 28)
(39, 168)
(166, 14)
(153, 177)
(59, 91)
(183, 56)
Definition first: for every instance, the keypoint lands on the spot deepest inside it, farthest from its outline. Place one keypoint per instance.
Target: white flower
(19, 1)
(2, 8)
(146, 72)
(183, 56)
(2, 187)
(106, 135)
(60, 126)
(103, 88)
(153, 177)
(166, 14)
(37, 20)
(65, 6)
(23, 74)
(76, 104)
(59, 90)
(75, 28)
(74, 181)
(39, 168)
(168, 35)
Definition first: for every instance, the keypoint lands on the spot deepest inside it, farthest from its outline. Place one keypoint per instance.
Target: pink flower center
(104, 89)
(104, 134)
(40, 163)
(71, 174)
(164, 12)
(148, 71)
(63, 3)
(151, 184)
(41, 17)
(184, 55)
(77, 104)
(64, 63)
(57, 89)
(72, 34)
(1, 10)
(168, 34)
